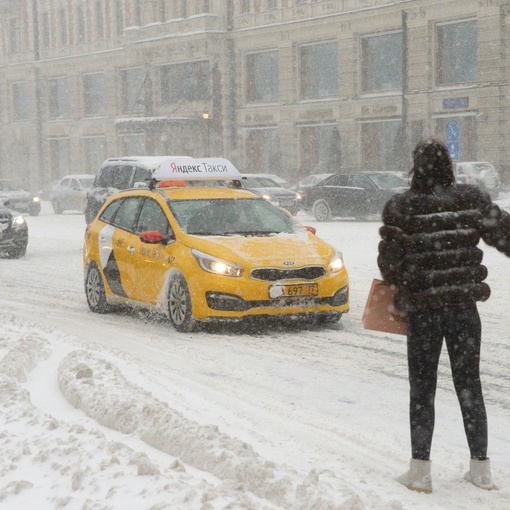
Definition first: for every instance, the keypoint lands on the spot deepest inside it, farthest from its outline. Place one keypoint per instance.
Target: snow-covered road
(120, 411)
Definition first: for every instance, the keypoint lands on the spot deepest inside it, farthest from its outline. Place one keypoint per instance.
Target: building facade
(291, 87)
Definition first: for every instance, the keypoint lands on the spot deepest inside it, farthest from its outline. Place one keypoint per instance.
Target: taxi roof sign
(192, 169)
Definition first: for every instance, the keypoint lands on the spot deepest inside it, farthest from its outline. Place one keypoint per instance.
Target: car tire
(179, 305)
(321, 210)
(57, 208)
(94, 289)
(17, 253)
(328, 318)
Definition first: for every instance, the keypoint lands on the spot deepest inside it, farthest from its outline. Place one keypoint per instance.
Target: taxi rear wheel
(179, 305)
(94, 290)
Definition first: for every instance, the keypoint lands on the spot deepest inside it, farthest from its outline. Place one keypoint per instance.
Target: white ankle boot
(480, 474)
(418, 477)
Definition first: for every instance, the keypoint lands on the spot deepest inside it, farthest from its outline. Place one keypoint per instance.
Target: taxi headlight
(17, 221)
(217, 266)
(336, 263)
(267, 196)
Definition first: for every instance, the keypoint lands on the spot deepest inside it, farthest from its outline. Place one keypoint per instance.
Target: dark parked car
(15, 197)
(268, 188)
(356, 194)
(13, 233)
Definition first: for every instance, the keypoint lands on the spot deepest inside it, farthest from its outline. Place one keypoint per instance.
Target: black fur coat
(429, 246)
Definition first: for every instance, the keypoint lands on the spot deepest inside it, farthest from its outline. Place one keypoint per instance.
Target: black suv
(118, 174)
(13, 233)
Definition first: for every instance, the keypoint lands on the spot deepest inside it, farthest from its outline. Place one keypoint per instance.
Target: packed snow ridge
(36, 444)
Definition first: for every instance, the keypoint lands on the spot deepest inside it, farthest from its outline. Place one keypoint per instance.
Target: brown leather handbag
(380, 313)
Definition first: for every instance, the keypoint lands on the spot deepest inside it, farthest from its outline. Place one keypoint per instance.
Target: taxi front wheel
(179, 305)
(94, 290)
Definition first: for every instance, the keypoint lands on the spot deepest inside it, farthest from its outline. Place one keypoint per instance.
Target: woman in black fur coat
(429, 251)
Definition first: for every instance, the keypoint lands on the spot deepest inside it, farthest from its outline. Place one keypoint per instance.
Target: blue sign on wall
(452, 131)
(452, 103)
(454, 149)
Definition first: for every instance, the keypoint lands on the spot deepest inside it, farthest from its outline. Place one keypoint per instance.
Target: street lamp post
(207, 118)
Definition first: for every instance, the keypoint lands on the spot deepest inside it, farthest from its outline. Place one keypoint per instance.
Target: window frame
(58, 101)
(91, 97)
(364, 71)
(308, 79)
(252, 70)
(440, 68)
(185, 89)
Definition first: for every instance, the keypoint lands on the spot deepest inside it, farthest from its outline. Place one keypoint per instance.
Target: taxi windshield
(224, 217)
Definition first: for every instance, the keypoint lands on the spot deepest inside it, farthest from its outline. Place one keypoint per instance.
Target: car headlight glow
(217, 266)
(36, 199)
(266, 196)
(336, 263)
(17, 221)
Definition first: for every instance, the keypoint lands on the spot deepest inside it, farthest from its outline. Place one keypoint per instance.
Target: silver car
(70, 193)
(480, 173)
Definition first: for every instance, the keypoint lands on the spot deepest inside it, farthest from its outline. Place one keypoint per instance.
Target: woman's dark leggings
(460, 327)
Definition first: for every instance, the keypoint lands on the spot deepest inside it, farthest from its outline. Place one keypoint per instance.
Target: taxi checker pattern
(201, 253)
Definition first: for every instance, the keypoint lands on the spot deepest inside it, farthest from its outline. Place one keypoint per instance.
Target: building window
(262, 77)
(263, 153)
(132, 93)
(59, 157)
(162, 11)
(319, 70)
(272, 4)
(183, 9)
(245, 6)
(94, 153)
(58, 100)
(206, 6)
(137, 21)
(20, 100)
(133, 143)
(45, 30)
(381, 57)
(119, 17)
(320, 149)
(381, 145)
(80, 22)
(15, 35)
(99, 20)
(62, 16)
(94, 94)
(457, 53)
(189, 81)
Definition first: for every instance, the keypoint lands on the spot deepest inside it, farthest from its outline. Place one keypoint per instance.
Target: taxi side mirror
(151, 237)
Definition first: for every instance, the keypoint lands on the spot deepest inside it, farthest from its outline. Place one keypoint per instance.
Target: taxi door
(152, 260)
(122, 268)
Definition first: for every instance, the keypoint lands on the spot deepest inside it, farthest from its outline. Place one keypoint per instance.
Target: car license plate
(293, 290)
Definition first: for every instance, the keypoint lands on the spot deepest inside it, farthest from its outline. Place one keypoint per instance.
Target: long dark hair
(432, 168)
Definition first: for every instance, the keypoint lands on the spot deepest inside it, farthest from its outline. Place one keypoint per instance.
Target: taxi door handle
(130, 249)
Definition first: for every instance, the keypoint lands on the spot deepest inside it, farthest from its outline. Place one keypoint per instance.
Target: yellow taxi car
(199, 253)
